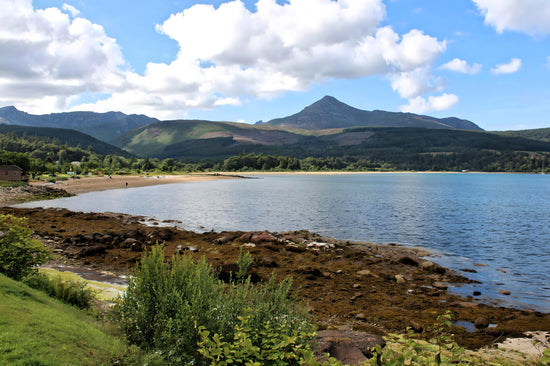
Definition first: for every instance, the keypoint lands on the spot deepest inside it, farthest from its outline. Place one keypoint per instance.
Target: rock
(361, 316)
(481, 323)
(400, 278)
(262, 237)
(294, 248)
(409, 261)
(356, 296)
(226, 239)
(416, 327)
(91, 250)
(366, 272)
(165, 234)
(439, 285)
(501, 270)
(430, 266)
(504, 292)
(129, 242)
(477, 293)
(347, 346)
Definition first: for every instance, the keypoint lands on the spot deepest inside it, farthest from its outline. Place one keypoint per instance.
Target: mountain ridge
(329, 112)
(103, 126)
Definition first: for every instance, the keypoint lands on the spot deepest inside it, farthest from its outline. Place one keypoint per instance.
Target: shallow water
(498, 220)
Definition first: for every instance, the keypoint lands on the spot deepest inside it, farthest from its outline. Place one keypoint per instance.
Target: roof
(10, 167)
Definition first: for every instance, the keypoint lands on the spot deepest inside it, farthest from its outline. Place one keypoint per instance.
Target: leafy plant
(409, 349)
(19, 254)
(270, 345)
(244, 262)
(166, 302)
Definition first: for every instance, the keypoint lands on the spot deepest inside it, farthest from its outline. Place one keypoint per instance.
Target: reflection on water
(501, 220)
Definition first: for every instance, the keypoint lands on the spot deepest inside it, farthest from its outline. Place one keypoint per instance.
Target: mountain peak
(328, 112)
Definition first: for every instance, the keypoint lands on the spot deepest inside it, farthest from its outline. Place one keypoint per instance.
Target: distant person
(126, 184)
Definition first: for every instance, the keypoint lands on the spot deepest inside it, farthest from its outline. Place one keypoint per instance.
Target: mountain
(178, 139)
(329, 113)
(103, 126)
(65, 136)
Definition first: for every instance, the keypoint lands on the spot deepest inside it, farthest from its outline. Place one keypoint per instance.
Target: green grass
(37, 330)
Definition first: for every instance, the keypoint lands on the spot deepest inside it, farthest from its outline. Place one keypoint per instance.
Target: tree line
(42, 155)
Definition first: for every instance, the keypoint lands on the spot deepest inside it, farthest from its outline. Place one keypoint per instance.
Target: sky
(487, 61)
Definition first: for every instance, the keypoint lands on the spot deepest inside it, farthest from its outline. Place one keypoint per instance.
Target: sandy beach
(90, 184)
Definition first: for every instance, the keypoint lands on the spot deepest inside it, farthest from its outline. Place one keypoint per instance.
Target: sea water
(497, 225)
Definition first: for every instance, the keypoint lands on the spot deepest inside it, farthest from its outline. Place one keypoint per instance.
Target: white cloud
(513, 66)
(421, 105)
(45, 57)
(461, 66)
(226, 54)
(71, 9)
(287, 47)
(527, 16)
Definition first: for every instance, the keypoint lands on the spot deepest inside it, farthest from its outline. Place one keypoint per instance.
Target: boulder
(481, 323)
(430, 266)
(348, 346)
(408, 260)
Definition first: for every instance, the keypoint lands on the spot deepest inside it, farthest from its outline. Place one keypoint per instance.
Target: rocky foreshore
(377, 289)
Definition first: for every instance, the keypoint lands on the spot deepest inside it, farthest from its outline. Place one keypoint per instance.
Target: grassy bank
(38, 330)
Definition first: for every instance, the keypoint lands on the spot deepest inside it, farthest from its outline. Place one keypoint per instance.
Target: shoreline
(374, 288)
(93, 184)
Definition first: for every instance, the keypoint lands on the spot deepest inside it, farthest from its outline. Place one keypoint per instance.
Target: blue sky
(483, 60)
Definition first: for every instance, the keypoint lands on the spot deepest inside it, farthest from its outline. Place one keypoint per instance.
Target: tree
(19, 254)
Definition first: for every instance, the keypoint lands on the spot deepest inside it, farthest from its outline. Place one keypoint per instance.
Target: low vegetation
(171, 307)
(178, 312)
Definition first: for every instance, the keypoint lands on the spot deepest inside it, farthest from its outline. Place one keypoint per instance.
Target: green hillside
(60, 136)
(541, 134)
(38, 330)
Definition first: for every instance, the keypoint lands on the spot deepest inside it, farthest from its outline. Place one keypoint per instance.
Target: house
(11, 173)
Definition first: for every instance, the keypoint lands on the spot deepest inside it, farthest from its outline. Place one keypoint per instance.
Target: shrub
(70, 292)
(166, 304)
(410, 350)
(19, 254)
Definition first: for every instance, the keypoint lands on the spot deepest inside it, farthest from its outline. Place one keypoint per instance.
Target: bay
(495, 224)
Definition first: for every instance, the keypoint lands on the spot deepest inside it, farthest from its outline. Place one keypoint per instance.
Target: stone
(356, 296)
(409, 261)
(366, 272)
(165, 234)
(481, 323)
(430, 266)
(439, 285)
(361, 316)
(347, 346)
(416, 327)
(129, 242)
(400, 278)
(504, 292)
(477, 293)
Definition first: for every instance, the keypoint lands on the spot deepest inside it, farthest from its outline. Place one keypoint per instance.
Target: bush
(19, 254)
(168, 305)
(70, 292)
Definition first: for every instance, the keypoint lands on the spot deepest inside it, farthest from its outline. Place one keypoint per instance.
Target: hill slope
(65, 136)
(102, 126)
(331, 113)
